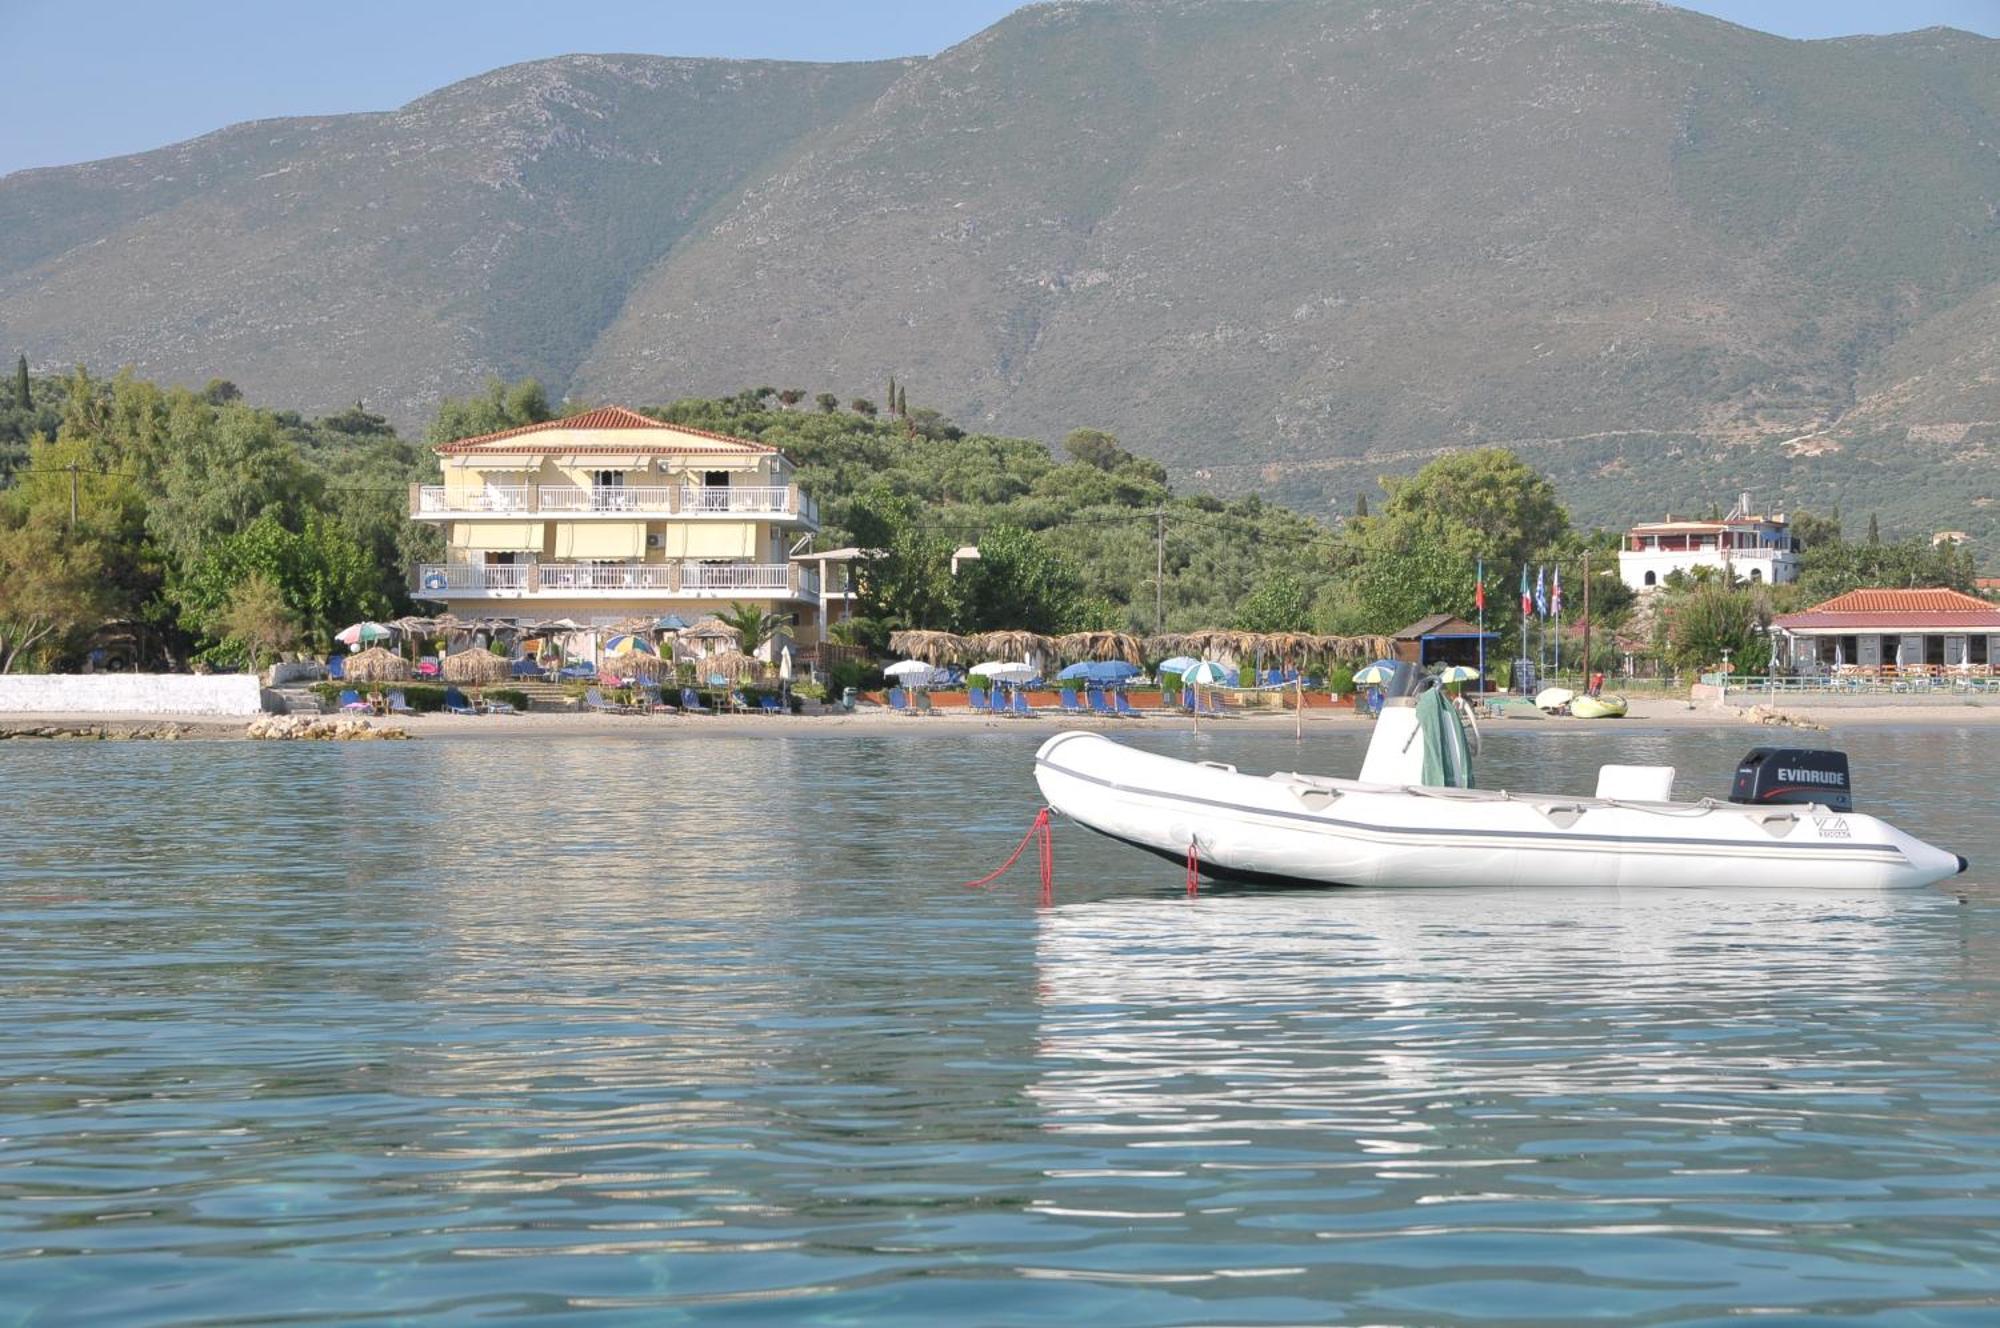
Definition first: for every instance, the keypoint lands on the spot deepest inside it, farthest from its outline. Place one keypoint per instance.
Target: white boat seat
(1636, 783)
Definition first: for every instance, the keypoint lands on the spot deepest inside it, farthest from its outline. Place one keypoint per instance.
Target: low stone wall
(130, 694)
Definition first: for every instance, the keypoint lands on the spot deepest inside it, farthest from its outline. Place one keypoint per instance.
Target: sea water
(677, 1028)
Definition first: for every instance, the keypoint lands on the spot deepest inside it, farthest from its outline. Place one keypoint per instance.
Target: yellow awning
(722, 539)
(498, 536)
(608, 539)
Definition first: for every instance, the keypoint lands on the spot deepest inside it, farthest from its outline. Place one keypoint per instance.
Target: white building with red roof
(1743, 544)
(1908, 631)
(609, 516)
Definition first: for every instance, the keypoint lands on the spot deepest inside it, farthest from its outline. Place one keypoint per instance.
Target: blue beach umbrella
(1099, 670)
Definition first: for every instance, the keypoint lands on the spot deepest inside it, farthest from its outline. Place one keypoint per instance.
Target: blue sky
(94, 78)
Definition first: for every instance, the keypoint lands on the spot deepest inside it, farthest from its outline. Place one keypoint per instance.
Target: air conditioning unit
(652, 541)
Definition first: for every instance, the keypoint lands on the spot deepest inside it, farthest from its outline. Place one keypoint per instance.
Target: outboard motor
(1769, 776)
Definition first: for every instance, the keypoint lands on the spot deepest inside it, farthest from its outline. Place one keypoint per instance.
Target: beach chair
(399, 704)
(336, 667)
(1211, 704)
(1021, 706)
(1067, 700)
(975, 697)
(1098, 705)
(899, 700)
(499, 707)
(691, 703)
(923, 703)
(351, 700)
(593, 699)
(1187, 698)
(770, 705)
(1124, 706)
(456, 704)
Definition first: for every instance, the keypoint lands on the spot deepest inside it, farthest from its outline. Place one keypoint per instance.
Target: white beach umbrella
(1208, 673)
(910, 672)
(785, 664)
(1004, 670)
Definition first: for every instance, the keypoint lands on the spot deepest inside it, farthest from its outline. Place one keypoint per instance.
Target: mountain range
(1283, 246)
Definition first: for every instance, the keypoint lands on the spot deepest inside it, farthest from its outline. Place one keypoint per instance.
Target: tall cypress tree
(903, 401)
(891, 402)
(1874, 531)
(1361, 504)
(22, 393)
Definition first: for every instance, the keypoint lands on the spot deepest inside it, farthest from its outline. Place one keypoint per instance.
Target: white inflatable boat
(1392, 827)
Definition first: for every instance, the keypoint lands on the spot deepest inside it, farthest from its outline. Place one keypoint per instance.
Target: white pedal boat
(1398, 832)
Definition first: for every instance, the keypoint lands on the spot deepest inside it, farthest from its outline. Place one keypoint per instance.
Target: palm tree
(751, 623)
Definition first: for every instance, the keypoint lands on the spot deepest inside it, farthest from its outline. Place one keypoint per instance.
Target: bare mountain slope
(1254, 236)
(492, 227)
(1284, 244)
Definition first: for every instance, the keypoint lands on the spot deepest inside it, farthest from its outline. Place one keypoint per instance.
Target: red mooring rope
(1039, 830)
(1194, 870)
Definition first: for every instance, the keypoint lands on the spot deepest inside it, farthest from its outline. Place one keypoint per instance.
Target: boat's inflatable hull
(1303, 829)
(1599, 707)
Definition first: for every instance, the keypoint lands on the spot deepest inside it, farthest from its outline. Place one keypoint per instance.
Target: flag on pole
(1542, 591)
(1479, 587)
(1527, 599)
(1556, 593)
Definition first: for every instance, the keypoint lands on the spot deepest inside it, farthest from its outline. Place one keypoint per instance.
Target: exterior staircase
(296, 698)
(543, 695)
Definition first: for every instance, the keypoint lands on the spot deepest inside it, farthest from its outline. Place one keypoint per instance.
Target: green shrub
(1340, 680)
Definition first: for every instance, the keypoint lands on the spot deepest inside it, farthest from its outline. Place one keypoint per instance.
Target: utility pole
(1586, 620)
(1159, 571)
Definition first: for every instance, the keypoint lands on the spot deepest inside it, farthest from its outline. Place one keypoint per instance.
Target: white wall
(129, 694)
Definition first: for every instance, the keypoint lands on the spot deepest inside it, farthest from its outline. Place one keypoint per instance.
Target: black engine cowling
(1770, 776)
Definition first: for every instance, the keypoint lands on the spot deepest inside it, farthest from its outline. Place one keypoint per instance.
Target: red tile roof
(604, 417)
(1909, 610)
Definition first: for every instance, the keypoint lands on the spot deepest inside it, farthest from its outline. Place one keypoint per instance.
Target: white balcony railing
(666, 499)
(722, 580)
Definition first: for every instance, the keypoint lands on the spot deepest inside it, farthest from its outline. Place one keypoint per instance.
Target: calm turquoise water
(662, 1030)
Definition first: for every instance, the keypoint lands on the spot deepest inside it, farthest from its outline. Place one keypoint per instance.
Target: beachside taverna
(608, 516)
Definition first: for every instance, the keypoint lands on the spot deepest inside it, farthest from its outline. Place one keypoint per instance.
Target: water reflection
(708, 1028)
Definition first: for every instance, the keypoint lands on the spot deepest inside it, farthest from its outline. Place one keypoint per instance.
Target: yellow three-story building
(609, 516)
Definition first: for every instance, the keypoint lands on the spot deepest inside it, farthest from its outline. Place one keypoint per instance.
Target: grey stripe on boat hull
(1560, 839)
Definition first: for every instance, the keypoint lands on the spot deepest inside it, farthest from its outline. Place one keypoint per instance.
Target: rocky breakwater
(321, 728)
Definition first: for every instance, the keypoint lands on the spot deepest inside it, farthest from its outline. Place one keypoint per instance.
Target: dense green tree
(219, 479)
(62, 577)
(791, 396)
(862, 406)
(501, 406)
(1019, 582)
(906, 581)
(326, 580)
(257, 620)
(1833, 569)
(1709, 620)
(1282, 603)
(827, 402)
(1486, 503)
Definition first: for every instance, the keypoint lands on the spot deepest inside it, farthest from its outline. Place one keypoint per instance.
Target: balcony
(781, 501)
(688, 580)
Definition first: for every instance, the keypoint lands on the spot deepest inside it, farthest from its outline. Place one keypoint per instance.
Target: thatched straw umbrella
(710, 634)
(478, 667)
(1012, 645)
(1078, 646)
(931, 647)
(376, 665)
(733, 665)
(1354, 647)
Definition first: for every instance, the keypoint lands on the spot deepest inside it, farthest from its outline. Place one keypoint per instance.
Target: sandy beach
(1647, 713)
